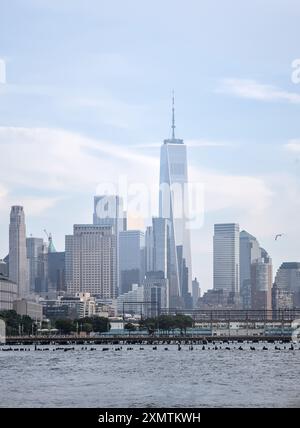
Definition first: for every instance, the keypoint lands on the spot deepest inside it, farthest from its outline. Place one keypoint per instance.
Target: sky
(85, 99)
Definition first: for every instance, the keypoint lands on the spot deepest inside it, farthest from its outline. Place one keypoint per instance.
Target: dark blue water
(149, 378)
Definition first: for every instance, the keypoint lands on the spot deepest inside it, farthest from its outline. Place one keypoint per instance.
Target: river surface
(151, 378)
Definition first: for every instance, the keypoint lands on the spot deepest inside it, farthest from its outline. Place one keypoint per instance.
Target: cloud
(254, 90)
(293, 145)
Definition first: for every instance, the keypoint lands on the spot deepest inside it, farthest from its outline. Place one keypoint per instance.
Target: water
(149, 378)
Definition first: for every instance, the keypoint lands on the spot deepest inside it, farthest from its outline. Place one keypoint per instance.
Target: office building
(173, 206)
(56, 282)
(155, 293)
(18, 264)
(261, 282)
(91, 261)
(226, 259)
(288, 278)
(249, 252)
(196, 292)
(36, 261)
(8, 293)
(32, 309)
(131, 258)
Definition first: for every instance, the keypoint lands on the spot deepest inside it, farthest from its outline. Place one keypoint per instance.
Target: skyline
(238, 118)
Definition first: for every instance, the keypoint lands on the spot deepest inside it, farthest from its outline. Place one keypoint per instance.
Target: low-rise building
(8, 293)
(25, 307)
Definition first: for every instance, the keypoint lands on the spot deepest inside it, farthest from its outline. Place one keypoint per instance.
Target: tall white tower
(18, 264)
(173, 206)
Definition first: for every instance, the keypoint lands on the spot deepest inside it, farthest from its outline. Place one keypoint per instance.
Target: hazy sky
(85, 98)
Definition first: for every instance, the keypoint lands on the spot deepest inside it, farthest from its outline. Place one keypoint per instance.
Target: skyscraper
(90, 261)
(34, 248)
(18, 264)
(131, 258)
(108, 211)
(288, 279)
(173, 206)
(249, 252)
(261, 282)
(226, 257)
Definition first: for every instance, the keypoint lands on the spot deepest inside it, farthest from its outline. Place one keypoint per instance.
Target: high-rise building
(131, 258)
(173, 206)
(157, 246)
(18, 264)
(226, 257)
(249, 252)
(156, 296)
(34, 248)
(288, 278)
(108, 211)
(196, 292)
(261, 282)
(91, 261)
(56, 273)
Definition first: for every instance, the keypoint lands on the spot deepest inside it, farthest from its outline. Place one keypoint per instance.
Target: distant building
(261, 282)
(56, 281)
(80, 306)
(282, 299)
(35, 249)
(249, 252)
(8, 293)
(219, 299)
(173, 206)
(226, 257)
(18, 264)
(288, 278)
(91, 261)
(108, 211)
(131, 302)
(131, 258)
(196, 292)
(25, 307)
(155, 293)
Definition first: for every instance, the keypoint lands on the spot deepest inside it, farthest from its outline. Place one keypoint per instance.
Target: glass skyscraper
(173, 206)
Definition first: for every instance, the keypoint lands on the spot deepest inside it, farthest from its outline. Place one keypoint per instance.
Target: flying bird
(278, 236)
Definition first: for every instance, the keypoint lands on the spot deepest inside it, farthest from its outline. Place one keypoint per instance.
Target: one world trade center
(173, 206)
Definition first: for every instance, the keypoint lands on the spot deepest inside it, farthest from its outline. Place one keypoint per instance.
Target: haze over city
(98, 106)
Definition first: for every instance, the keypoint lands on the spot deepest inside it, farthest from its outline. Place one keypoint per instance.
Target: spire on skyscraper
(173, 116)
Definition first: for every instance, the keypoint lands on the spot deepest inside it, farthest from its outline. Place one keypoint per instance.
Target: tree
(65, 326)
(15, 323)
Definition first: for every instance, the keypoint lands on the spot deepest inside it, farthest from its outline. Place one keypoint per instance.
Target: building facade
(8, 293)
(32, 309)
(18, 264)
(226, 258)
(132, 258)
(261, 282)
(173, 206)
(91, 261)
(288, 278)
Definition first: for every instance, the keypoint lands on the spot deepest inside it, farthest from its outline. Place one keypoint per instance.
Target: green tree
(65, 326)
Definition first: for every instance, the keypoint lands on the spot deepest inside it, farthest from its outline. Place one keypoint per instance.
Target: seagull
(278, 236)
